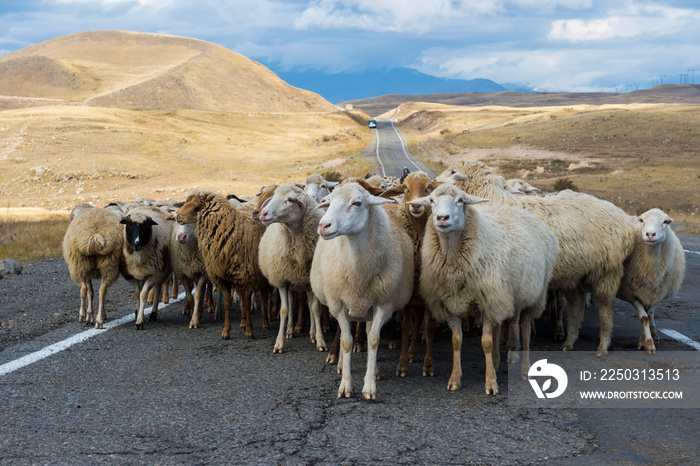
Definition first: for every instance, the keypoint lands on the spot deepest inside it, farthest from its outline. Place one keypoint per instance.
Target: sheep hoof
(298, 330)
(81, 319)
(250, 337)
(139, 326)
(332, 359)
(452, 386)
(321, 347)
(602, 352)
(225, 336)
(369, 396)
(566, 347)
(393, 344)
(492, 388)
(401, 372)
(357, 348)
(513, 357)
(98, 325)
(194, 325)
(153, 317)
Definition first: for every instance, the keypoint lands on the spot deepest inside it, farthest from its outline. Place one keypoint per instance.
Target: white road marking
(680, 337)
(404, 147)
(380, 160)
(692, 252)
(75, 339)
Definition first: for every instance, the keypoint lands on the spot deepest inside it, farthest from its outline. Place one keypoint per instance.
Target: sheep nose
(443, 218)
(264, 215)
(182, 237)
(651, 234)
(324, 226)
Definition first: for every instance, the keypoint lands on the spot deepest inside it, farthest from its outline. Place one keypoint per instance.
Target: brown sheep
(229, 244)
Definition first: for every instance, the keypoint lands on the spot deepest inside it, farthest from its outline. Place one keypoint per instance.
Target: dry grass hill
(114, 115)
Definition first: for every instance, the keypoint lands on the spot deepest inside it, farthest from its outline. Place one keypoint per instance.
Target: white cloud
(636, 21)
(418, 16)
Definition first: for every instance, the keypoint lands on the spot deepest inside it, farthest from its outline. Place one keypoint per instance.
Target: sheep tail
(96, 245)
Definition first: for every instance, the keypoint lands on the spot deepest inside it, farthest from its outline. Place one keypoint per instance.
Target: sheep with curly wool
(146, 255)
(92, 248)
(229, 241)
(362, 270)
(285, 254)
(654, 271)
(595, 238)
(497, 259)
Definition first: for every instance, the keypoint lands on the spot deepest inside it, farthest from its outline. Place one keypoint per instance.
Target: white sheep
(362, 270)
(595, 238)
(522, 186)
(654, 272)
(497, 259)
(188, 267)
(146, 255)
(317, 187)
(286, 250)
(92, 248)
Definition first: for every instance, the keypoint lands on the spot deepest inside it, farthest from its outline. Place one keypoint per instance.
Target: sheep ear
(432, 185)
(395, 191)
(668, 221)
(513, 190)
(264, 204)
(300, 186)
(125, 221)
(533, 190)
(469, 199)
(424, 201)
(332, 184)
(459, 176)
(324, 203)
(376, 200)
(640, 219)
(150, 221)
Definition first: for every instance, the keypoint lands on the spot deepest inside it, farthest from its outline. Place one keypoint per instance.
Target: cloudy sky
(546, 45)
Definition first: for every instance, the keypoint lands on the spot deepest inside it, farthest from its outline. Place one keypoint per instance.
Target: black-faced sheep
(146, 255)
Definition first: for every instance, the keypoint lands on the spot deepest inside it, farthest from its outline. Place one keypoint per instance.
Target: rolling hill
(667, 93)
(134, 70)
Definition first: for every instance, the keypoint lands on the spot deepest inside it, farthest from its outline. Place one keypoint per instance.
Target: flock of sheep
(468, 243)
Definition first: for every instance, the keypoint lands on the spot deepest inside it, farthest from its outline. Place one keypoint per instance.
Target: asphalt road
(388, 151)
(171, 395)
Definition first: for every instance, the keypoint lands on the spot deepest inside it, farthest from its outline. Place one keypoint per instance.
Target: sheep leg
(150, 298)
(513, 339)
(199, 291)
(290, 314)
(429, 333)
(332, 357)
(176, 286)
(574, 317)
(455, 382)
(327, 327)
(402, 368)
(315, 306)
(487, 343)
(166, 290)
(284, 312)
(247, 316)
(299, 327)
(360, 337)
(345, 389)
(646, 341)
(228, 298)
(82, 313)
(210, 297)
(90, 299)
(101, 313)
(557, 321)
(265, 309)
(652, 325)
(393, 343)
(189, 301)
(525, 330)
(158, 287)
(381, 316)
(419, 313)
(144, 290)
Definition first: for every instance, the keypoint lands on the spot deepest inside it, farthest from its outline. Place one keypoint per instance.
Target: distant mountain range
(342, 87)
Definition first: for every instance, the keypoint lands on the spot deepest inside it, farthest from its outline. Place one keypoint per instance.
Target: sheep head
(265, 193)
(449, 205)
(287, 205)
(194, 203)
(414, 186)
(137, 230)
(654, 224)
(317, 187)
(347, 211)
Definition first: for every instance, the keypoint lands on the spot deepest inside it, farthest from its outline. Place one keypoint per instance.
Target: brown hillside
(134, 70)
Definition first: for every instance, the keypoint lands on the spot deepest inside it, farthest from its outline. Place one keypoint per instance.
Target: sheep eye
(429, 189)
(324, 186)
(357, 203)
